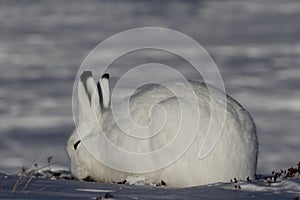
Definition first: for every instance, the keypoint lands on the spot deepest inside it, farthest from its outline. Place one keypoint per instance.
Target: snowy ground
(255, 44)
(38, 188)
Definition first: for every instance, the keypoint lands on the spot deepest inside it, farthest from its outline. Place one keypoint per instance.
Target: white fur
(104, 82)
(234, 155)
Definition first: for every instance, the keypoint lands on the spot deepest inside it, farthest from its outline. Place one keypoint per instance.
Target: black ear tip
(85, 75)
(106, 75)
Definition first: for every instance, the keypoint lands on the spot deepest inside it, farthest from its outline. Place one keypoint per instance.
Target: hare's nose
(76, 144)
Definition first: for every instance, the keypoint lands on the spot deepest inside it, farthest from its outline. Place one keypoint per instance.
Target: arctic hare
(233, 156)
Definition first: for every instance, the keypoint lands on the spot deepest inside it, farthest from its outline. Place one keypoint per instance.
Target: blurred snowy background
(255, 44)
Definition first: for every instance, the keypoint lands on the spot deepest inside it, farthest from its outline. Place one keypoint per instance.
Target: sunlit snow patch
(93, 190)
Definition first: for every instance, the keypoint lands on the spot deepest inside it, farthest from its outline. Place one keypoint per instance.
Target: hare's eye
(76, 144)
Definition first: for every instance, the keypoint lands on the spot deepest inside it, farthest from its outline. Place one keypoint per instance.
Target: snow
(40, 188)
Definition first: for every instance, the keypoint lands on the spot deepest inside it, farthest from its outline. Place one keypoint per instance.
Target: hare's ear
(104, 92)
(88, 98)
